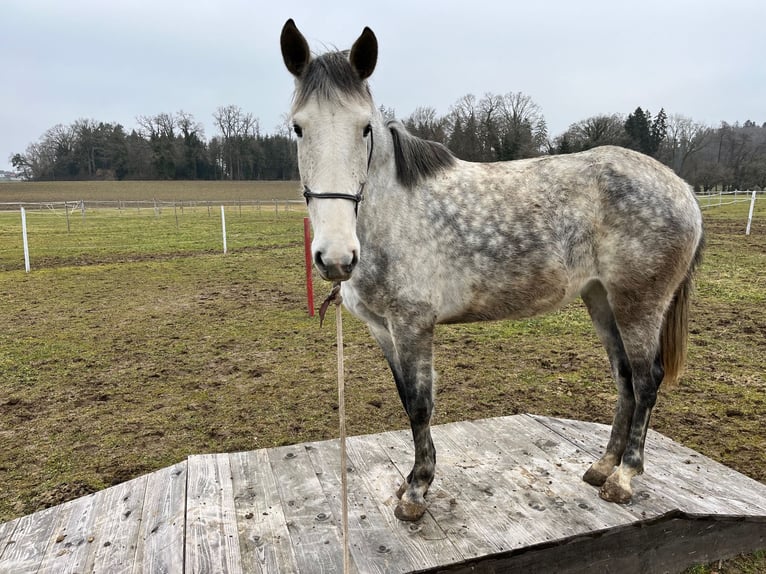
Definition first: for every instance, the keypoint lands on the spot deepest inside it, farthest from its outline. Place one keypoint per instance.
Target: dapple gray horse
(418, 237)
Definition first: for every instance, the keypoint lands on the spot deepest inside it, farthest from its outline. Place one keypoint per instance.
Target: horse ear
(295, 49)
(364, 54)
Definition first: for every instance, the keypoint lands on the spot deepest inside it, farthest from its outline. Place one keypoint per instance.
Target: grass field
(135, 342)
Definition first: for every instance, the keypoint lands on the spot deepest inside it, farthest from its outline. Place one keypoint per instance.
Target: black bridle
(355, 197)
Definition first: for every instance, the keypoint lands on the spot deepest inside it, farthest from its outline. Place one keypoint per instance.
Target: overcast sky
(62, 60)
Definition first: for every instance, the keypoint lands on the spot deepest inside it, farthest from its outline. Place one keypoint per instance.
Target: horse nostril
(318, 260)
(354, 261)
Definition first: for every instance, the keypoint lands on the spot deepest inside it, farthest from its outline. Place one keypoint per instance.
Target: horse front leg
(413, 370)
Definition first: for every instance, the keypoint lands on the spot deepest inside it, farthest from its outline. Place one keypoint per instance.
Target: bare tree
(387, 113)
(424, 122)
(285, 126)
(238, 130)
(188, 125)
(523, 125)
(684, 138)
(464, 140)
(592, 132)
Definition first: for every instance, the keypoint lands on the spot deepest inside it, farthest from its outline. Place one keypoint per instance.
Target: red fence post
(307, 250)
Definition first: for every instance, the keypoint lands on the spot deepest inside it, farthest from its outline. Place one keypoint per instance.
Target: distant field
(29, 191)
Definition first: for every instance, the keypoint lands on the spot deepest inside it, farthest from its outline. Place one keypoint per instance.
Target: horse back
(520, 238)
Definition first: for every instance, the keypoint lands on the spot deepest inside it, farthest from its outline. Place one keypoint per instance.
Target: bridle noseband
(355, 197)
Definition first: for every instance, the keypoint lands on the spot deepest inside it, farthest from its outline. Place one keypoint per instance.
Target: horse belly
(514, 297)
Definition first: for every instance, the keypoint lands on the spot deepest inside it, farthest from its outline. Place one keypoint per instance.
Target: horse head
(332, 115)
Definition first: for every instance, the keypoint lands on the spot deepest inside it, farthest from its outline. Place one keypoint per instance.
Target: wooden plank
(372, 548)
(588, 436)
(474, 480)
(264, 540)
(735, 493)
(6, 535)
(539, 493)
(592, 438)
(694, 483)
(24, 550)
(561, 464)
(115, 530)
(71, 537)
(375, 546)
(212, 540)
(528, 499)
(313, 532)
(455, 500)
(160, 541)
(425, 544)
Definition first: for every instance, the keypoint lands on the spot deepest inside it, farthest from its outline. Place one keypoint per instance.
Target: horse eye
(298, 130)
(367, 130)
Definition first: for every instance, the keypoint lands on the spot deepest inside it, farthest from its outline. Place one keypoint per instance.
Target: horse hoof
(407, 511)
(612, 491)
(595, 477)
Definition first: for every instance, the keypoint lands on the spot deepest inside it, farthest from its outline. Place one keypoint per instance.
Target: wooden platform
(507, 497)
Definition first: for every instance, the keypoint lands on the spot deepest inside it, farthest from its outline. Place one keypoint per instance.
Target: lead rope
(334, 297)
(342, 419)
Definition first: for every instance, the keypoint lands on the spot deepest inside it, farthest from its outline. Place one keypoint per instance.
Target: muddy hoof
(613, 492)
(409, 511)
(402, 489)
(595, 477)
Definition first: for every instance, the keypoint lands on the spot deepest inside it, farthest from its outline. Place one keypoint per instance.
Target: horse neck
(381, 176)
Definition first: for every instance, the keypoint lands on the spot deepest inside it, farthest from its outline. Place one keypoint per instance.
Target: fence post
(750, 215)
(223, 226)
(24, 236)
(66, 210)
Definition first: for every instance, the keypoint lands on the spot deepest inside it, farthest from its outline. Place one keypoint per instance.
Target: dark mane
(417, 159)
(330, 76)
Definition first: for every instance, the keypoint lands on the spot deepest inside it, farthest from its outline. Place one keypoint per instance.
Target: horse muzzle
(335, 268)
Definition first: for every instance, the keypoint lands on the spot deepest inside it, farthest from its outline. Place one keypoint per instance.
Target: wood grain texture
(114, 532)
(71, 538)
(212, 539)
(160, 536)
(264, 539)
(23, 551)
(310, 521)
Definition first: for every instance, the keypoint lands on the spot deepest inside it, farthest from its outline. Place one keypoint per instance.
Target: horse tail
(675, 328)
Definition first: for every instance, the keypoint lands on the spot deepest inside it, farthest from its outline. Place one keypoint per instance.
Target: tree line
(495, 127)
(163, 146)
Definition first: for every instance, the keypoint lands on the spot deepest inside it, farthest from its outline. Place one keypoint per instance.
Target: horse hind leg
(647, 376)
(595, 298)
(639, 323)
